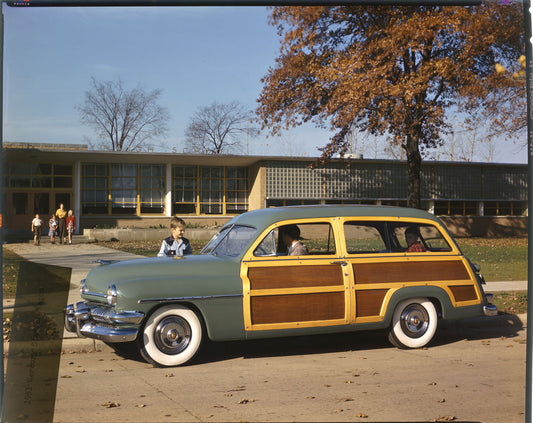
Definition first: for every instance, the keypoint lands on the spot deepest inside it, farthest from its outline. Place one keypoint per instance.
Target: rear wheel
(414, 323)
(172, 336)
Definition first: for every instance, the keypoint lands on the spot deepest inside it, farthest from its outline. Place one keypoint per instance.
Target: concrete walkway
(81, 258)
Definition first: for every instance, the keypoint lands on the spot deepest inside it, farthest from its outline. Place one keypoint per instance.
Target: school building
(128, 189)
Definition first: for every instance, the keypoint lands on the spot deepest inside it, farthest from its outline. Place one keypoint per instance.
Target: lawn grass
(11, 263)
(501, 259)
(512, 302)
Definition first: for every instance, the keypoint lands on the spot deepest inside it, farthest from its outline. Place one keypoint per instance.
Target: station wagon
(356, 268)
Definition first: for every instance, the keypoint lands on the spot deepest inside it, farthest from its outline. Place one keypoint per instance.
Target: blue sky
(195, 55)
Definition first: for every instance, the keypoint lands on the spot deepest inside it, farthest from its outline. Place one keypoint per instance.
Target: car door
(283, 291)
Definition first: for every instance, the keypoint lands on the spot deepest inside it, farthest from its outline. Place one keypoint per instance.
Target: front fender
(218, 301)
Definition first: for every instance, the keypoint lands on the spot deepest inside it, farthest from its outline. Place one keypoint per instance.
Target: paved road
(475, 371)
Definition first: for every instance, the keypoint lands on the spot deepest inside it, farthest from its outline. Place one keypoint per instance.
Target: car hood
(153, 272)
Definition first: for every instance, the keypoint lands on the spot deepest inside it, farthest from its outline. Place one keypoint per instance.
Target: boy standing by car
(176, 244)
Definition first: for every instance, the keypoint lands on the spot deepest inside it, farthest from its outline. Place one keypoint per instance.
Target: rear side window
(393, 237)
(365, 238)
(428, 237)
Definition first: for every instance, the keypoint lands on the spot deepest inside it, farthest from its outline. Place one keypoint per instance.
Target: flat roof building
(132, 189)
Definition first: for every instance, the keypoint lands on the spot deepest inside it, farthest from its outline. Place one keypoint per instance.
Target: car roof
(262, 218)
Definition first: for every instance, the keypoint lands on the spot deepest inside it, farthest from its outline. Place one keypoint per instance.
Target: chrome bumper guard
(94, 321)
(490, 309)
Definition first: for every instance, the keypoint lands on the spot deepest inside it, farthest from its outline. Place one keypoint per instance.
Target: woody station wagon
(359, 268)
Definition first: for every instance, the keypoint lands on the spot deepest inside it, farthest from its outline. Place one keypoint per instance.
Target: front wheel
(414, 323)
(172, 336)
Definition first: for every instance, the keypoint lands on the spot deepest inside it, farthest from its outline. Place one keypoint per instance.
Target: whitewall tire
(414, 323)
(172, 336)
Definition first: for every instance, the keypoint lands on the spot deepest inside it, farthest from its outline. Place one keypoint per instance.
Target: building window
(94, 195)
(236, 189)
(184, 183)
(62, 176)
(152, 193)
(39, 175)
(123, 188)
(209, 190)
(505, 208)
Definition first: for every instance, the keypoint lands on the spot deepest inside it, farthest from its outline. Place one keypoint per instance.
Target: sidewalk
(81, 258)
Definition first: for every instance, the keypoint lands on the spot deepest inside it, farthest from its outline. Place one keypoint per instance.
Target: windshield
(230, 241)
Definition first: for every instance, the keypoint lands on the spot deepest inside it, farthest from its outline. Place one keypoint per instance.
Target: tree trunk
(414, 165)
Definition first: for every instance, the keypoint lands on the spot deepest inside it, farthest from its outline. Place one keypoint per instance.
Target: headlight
(83, 286)
(112, 295)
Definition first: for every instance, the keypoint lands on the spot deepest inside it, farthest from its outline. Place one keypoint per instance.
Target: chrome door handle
(341, 262)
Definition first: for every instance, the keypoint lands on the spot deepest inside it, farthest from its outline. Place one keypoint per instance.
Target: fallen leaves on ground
(111, 404)
(445, 419)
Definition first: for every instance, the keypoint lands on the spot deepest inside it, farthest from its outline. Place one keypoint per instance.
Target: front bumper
(100, 322)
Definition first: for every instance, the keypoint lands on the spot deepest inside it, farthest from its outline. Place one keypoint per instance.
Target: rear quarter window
(429, 236)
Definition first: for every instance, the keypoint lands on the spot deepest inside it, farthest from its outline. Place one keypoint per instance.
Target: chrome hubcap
(414, 320)
(172, 335)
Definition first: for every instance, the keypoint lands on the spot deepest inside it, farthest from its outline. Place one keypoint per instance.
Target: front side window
(298, 240)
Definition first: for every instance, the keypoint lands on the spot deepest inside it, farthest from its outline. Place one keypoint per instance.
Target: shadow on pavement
(35, 343)
(504, 325)
(448, 332)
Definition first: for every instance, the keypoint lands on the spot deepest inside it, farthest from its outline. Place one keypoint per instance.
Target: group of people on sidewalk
(61, 224)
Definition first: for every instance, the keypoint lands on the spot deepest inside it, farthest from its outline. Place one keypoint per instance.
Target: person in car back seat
(412, 235)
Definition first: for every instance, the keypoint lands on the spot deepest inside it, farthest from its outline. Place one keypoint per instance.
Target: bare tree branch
(219, 128)
(128, 120)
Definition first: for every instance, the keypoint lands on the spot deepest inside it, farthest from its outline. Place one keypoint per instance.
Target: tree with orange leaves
(392, 70)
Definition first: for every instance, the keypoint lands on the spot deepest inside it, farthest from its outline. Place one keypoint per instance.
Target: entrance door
(41, 204)
(19, 213)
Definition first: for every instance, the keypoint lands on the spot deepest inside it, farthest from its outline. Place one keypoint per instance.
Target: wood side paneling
(300, 276)
(464, 292)
(297, 308)
(416, 271)
(368, 302)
